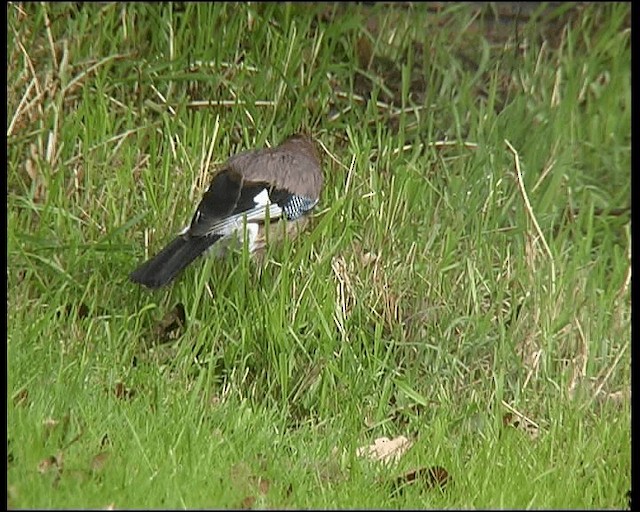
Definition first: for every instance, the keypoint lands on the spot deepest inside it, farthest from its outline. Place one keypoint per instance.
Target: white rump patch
(262, 199)
(252, 235)
(235, 238)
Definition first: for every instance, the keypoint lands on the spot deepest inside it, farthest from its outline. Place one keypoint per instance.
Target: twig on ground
(47, 24)
(580, 362)
(534, 367)
(531, 215)
(438, 144)
(610, 370)
(520, 415)
(332, 156)
(229, 103)
(18, 112)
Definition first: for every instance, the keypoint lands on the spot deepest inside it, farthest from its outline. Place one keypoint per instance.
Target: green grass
(422, 302)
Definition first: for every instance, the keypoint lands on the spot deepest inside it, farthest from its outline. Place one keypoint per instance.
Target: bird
(250, 191)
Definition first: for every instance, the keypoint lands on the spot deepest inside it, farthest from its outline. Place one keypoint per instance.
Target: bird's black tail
(166, 265)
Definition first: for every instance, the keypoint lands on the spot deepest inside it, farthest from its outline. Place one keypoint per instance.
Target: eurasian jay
(252, 188)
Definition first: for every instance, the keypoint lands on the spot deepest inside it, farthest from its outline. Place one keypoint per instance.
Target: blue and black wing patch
(297, 206)
(293, 206)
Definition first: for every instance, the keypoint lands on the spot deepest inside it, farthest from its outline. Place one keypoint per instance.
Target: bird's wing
(260, 184)
(293, 166)
(293, 206)
(228, 202)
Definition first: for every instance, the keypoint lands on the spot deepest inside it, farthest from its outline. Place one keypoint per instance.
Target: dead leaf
(50, 423)
(45, 465)
(105, 441)
(385, 449)
(521, 423)
(171, 324)
(435, 476)
(122, 393)
(263, 485)
(21, 398)
(247, 503)
(98, 462)
(51, 463)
